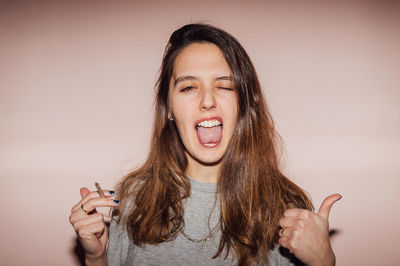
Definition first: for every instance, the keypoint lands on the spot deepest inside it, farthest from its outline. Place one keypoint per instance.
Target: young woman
(210, 192)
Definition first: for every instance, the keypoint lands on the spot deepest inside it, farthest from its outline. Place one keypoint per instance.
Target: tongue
(209, 134)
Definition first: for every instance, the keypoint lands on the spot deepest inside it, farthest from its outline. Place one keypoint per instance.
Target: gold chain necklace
(200, 241)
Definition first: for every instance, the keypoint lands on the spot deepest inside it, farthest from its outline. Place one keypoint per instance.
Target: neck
(201, 172)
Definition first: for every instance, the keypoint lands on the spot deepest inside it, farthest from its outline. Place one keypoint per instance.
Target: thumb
(327, 205)
(84, 191)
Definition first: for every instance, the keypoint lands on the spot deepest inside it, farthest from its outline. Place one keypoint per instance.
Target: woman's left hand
(306, 234)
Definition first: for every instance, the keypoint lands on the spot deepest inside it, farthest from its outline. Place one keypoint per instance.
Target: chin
(208, 158)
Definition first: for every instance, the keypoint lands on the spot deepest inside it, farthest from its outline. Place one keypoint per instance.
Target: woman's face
(203, 102)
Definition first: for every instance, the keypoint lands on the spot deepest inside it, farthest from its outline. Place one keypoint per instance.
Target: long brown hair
(253, 192)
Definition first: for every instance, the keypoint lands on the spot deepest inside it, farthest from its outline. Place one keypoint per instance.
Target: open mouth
(209, 131)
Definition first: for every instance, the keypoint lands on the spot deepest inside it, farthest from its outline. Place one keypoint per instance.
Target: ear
(170, 117)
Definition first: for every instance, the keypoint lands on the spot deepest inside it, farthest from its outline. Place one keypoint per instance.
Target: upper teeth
(209, 123)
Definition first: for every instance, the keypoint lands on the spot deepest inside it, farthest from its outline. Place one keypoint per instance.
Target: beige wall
(76, 90)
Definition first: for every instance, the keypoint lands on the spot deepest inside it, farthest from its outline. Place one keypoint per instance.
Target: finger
(79, 215)
(287, 222)
(87, 207)
(326, 205)
(91, 204)
(298, 213)
(88, 220)
(84, 191)
(92, 231)
(91, 195)
(289, 233)
(287, 243)
(90, 227)
(88, 196)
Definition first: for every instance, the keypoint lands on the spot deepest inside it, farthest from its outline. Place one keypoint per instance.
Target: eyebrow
(183, 78)
(229, 78)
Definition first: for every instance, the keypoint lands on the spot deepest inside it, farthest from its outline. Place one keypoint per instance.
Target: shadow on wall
(333, 232)
(79, 254)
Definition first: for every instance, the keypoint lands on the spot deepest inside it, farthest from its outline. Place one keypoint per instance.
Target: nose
(207, 100)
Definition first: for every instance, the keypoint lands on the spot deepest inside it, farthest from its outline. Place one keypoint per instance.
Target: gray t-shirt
(198, 225)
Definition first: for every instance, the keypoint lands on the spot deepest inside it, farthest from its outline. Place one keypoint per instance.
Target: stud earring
(170, 117)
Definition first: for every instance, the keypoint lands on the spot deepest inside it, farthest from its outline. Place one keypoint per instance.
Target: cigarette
(99, 190)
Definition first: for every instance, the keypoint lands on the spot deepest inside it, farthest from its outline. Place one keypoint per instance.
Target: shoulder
(119, 242)
(126, 192)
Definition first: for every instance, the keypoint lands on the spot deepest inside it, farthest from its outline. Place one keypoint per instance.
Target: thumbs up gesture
(306, 234)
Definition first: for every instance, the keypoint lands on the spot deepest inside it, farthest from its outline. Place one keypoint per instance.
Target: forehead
(200, 59)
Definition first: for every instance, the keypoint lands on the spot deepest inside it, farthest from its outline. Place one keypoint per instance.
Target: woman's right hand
(89, 225)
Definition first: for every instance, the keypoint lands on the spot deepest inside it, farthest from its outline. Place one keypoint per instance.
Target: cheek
(180, 112)
(183, 118)
(183, 107)
(231, 110)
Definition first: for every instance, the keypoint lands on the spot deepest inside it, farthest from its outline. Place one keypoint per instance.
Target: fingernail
(116, 201)
(111, 192)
